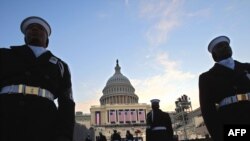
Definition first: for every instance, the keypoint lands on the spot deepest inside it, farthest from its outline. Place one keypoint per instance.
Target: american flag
(133, 115)
(112, 116)
(141, 115)
(127, 115)
(97, 116)
(121, 116)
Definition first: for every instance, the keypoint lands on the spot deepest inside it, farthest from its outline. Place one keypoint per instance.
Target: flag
(133, 115)
(97, 118)
(127, 116)
(121, 116)
(112, 116)
(141, 115)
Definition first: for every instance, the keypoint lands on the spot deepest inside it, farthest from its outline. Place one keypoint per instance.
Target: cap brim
(31, 20)
(217, 40)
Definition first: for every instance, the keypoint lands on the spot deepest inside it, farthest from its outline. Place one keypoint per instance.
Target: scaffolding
(182, 123)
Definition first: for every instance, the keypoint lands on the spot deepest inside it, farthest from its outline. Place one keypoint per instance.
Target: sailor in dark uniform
(101, 137)
(31, 78)
(115, 136)
(129, 136)
(159, 124)
(224, 90)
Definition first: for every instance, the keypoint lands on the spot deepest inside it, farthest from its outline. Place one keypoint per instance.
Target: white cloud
(165, 62)
(165, 17)
(172, 82)
(167, 86)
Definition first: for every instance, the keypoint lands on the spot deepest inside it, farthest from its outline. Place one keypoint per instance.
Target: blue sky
(161, 44)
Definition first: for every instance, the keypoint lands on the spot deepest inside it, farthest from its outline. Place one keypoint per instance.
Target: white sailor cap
(33, 19)
(217, 40)
(155, 101)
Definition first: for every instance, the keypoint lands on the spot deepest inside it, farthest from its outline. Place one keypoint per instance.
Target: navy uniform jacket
(102, 138)
(115, 137)
(31, 117)
(215, 85)
(129, 137)
(160, 119)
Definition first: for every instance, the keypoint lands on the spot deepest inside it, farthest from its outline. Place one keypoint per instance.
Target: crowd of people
(114, 137)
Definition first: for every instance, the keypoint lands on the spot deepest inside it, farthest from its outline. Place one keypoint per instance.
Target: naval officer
(224, 89)
(159, 124)
(31, 78)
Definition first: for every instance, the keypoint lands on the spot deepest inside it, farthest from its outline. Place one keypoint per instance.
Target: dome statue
(118, 89)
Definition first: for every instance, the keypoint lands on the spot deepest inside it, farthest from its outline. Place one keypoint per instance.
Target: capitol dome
(118, 89)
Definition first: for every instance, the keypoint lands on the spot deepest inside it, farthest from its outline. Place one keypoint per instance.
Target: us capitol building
(119, 108)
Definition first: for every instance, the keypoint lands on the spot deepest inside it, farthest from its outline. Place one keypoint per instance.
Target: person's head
(219, 48)
(100, 133)
(36, 31)
(115, 131)
(128, 132)
(155, 104)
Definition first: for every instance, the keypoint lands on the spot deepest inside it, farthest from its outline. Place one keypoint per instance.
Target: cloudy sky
(161, 44)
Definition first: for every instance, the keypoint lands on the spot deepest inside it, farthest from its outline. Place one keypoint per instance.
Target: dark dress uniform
(115, 137)
(219, 105)
(101, 138)
(28, 87)
(160, 129)
(88, 139)
(129, 137)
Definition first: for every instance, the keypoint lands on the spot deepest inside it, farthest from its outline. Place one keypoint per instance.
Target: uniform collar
(37, 50)
(229, 63)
